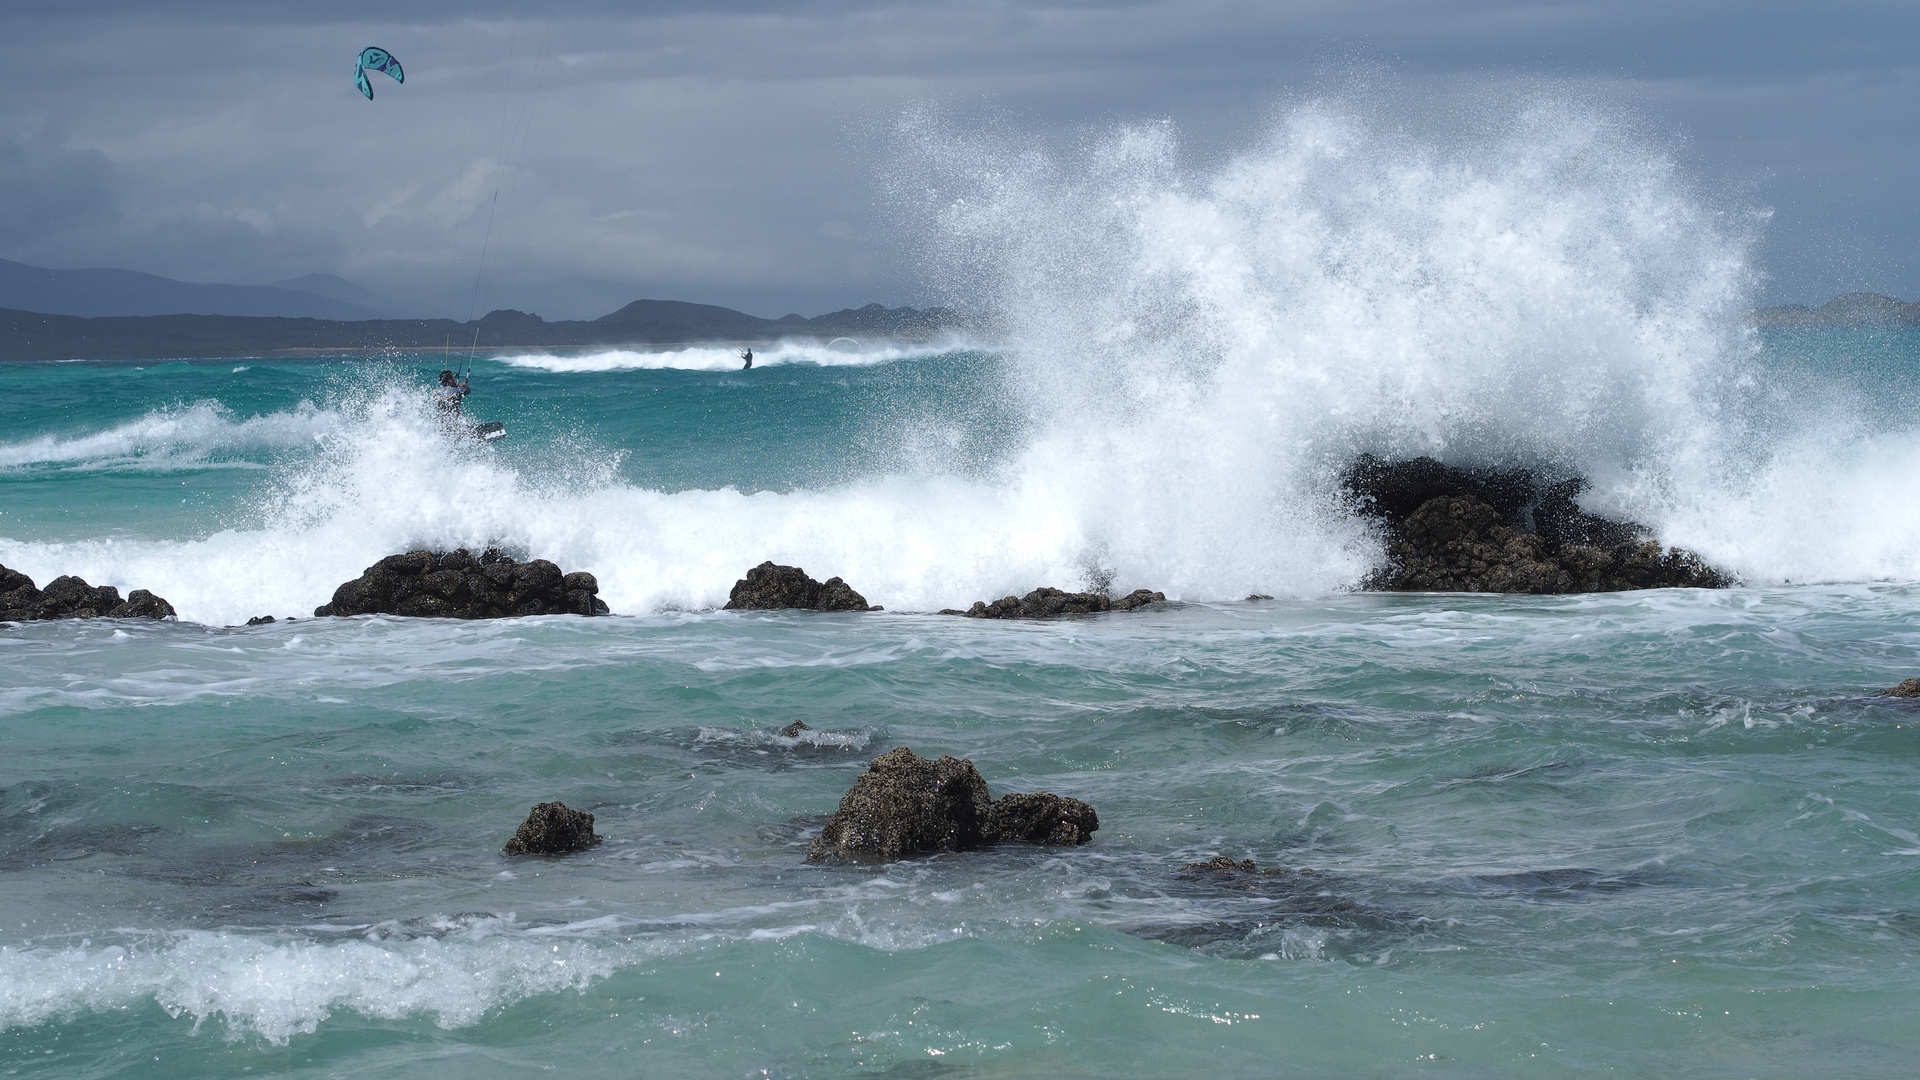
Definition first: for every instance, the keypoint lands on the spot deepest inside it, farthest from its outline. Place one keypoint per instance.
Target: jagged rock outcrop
(460, 585)
(1507, 531)
(907, 805)
(1048, 603)
(768, 587)
(1908, 688)
(68, 597)
(552, 829)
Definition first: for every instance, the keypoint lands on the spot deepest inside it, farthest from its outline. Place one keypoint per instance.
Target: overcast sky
(730, 152)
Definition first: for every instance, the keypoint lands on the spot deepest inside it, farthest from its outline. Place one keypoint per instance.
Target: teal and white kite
(373, 59)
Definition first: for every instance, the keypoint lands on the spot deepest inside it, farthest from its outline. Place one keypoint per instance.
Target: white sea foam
(276, 986)
(1200, 352)
(840, 352)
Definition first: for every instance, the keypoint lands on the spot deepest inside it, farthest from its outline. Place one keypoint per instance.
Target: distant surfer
(748, 358)
(448, 394)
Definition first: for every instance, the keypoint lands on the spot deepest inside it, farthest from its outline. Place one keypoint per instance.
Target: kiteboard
(489, 431)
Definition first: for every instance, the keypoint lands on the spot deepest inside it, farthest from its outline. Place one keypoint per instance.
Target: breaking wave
(1196, 353)
(198, 435)
(840, 352)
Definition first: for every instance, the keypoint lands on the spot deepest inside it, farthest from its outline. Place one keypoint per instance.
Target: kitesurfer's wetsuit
(448, 394)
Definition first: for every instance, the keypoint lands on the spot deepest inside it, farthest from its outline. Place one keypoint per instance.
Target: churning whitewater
(1665, 832)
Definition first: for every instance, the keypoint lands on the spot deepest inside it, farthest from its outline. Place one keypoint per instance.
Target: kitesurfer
(748, 357)
(448, 394)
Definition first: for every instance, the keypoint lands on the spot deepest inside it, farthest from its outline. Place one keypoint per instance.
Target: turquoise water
(1663, 833)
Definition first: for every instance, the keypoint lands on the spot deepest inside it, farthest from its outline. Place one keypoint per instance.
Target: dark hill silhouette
(96, 293)
(1858, 309)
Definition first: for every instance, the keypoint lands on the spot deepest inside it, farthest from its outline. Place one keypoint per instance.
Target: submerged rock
(1242, 910)
(1507, 531)
(793, 730)
(768, 587)
(552, 829)
(1048, 603)
(907, 805)
(261, 620)
(1908, 688)
(460, 585)
(1221, 872)
(72, 598)
(1219, 864)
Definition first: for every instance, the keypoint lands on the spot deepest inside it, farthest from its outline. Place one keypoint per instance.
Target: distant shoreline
(27, 336)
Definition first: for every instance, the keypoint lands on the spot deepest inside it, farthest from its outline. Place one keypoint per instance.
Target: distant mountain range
(126, 315)
(1860, 309)
(26, 335)
(94, 293)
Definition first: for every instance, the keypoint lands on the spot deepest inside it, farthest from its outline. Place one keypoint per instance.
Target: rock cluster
(768, 587)
(552, 829)
(72, 598)
(460, 585)
(1047, 603)
(1507, 531)
(907, 805)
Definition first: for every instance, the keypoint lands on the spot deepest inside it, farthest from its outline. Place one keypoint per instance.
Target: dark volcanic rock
(1041, 818)
(907, 805)
(552, 829)
(73, 598)
(1047, 603)
(261, 620)
(460, 585)
(773, 588)
(1908, 688)
(1507, 531)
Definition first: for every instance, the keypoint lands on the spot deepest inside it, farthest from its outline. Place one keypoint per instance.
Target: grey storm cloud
(736, 152)
(46, 186)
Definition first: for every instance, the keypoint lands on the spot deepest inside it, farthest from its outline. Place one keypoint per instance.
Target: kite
(373, 59)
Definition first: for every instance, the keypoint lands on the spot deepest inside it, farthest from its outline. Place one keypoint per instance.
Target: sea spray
(1222, 341)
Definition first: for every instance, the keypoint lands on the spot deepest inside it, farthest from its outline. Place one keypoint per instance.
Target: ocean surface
(1656, 833)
